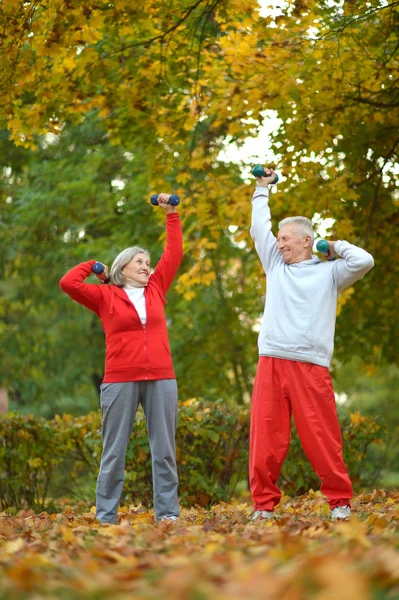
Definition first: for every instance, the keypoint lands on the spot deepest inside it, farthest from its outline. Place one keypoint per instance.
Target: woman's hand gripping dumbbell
(101, 272)
(260, 172)
(166, 201)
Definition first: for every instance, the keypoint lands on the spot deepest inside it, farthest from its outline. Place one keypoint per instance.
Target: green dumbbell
(323, 247)
(259, 171)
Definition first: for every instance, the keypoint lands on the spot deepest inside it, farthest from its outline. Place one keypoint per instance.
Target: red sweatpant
(281, 387)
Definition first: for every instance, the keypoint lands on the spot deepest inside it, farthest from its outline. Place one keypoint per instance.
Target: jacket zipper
(145, 352)
(145, 336)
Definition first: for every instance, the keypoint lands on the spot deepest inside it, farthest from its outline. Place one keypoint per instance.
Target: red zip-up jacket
(133, 352)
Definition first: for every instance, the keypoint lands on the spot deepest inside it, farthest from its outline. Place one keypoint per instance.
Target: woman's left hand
(163, 202)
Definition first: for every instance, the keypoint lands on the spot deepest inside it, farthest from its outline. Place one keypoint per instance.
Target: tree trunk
(3, 401)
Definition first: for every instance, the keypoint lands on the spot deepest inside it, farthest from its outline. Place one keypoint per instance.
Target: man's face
(293, 246)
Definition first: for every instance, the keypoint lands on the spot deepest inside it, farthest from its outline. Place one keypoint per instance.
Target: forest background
(104, 103)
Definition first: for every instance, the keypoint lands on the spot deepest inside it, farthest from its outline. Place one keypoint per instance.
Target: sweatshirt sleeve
(261, 230)
(88, 294)
(354, 266)
(172, 256)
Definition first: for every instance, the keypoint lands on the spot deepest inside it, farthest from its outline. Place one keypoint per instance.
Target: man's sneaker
(341, 512)
(262, 515)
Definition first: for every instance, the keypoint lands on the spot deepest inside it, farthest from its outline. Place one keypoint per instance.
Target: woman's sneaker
(168, 518)
(262, 515)
(341, 512)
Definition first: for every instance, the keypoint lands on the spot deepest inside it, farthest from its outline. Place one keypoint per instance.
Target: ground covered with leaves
(215, 554)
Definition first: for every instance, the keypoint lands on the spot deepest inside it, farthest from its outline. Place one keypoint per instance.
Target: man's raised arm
(261, 229)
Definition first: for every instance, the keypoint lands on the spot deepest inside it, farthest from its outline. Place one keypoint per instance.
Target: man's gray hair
(123, 258)
(303, 225)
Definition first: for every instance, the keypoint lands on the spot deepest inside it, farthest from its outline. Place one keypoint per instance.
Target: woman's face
(138, 270)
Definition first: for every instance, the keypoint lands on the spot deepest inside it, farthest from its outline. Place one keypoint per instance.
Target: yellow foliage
(67, 534)
(68, 62)
(357, 419)
(343, 298)
(180, 101)
(15, 124)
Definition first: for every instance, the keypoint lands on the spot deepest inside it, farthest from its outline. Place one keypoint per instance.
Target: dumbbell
(98, 268)
(174, 200)
(323, 246)
(259, 171)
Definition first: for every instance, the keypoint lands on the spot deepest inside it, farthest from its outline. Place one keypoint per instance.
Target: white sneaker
(341, 512)
(168, 518)
(262, 515)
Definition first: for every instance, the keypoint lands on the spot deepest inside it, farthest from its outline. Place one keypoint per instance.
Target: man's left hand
(331, 254)
(267, 180)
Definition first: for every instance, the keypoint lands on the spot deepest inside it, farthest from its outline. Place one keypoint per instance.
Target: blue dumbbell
(174, 200)
(98, 268)
(259, 171)
(323, 246)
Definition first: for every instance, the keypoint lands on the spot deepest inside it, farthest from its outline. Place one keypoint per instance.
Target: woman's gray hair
(123, 258)
(302, 225)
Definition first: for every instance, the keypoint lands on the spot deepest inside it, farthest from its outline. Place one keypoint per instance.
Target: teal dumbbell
(323, 247)
(259, 171)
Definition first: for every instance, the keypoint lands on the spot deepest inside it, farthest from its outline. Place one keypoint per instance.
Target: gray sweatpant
(119, 403)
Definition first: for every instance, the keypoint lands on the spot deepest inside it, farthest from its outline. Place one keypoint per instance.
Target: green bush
(31, 451)
(42, 461)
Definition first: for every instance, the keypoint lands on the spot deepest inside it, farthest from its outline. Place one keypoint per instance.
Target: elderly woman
(138, 365)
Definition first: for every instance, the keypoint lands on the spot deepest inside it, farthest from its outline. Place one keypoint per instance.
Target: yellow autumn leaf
(67, 534)
(183, 177)
(14, 546)
(11, 4)
(354, 530)
(69, 62)
(15, 124)
(96, 21)
(189, 295)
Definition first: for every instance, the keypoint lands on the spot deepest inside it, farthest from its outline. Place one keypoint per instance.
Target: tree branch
(159, 37)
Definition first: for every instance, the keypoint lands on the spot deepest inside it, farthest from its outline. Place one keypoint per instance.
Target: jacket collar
(117, 291)
(121, 292)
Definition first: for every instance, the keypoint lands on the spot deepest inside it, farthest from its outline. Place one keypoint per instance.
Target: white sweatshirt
(301, 298)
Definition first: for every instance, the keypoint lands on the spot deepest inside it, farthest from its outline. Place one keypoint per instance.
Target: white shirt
(301, 298)
(137, 298)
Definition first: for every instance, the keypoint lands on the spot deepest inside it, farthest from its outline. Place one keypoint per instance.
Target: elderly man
(295, 348)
